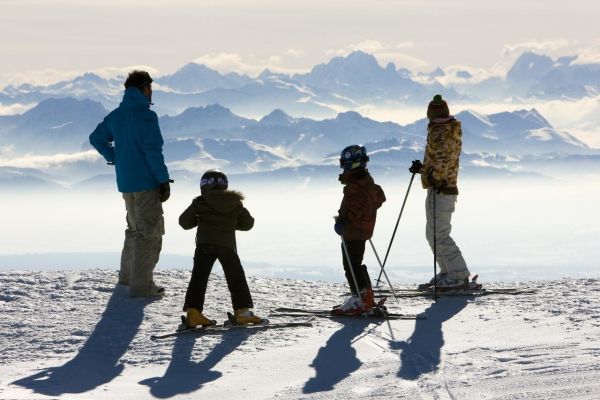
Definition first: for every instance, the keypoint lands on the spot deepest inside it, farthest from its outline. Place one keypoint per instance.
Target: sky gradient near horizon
(48, 39)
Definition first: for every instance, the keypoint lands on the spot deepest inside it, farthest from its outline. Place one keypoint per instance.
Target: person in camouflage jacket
(442, 153)
(439, 175)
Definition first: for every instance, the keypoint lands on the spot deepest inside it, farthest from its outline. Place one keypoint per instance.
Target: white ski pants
(449, 257)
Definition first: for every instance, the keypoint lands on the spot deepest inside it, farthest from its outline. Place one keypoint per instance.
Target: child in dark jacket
(217, 213)
(355, 223)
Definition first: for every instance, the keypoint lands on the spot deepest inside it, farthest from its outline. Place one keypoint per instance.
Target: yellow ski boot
(243, 316)
(195, 317)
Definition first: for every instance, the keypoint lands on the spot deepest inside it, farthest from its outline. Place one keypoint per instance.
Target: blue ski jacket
(137, 151)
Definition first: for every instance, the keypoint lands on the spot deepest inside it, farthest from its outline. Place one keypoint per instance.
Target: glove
(339, 226)
(416, 166)
(437, 185)
(164, 191)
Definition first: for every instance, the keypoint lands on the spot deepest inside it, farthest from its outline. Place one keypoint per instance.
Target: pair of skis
(229, 326)
(473, 288)
(308, 315)
(300, 312)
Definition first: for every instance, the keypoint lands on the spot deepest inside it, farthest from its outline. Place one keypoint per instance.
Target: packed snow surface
(77, 335)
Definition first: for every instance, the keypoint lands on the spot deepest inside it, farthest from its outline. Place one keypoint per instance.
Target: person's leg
(128, 245)
(356, 251)
(148, 241)
(429, 211)
(448, 251)
(204, 259)
(235, 277)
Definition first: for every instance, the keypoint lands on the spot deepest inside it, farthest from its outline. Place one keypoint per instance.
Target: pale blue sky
(69, 35)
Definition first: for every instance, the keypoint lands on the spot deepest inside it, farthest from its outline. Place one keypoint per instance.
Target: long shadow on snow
(186, 376)
(337, 359)
(421, 352)
(97, 362)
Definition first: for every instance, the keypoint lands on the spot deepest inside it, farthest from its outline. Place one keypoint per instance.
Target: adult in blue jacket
(129, 137)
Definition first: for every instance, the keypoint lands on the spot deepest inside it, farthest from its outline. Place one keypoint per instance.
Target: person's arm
(245, 221)
(152, 143)
(188, 219)
(101, 139)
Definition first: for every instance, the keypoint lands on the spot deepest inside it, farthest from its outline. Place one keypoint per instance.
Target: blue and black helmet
(353, 156)
(213, 180)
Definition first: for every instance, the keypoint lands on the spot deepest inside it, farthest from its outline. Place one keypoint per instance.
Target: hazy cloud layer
(43, 162)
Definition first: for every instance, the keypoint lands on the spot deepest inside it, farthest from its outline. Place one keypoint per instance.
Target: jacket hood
(224, 201)
(133, 97)
(353, 175)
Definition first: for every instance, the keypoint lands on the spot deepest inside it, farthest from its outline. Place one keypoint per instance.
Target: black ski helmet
(213, 179)
(353, 156)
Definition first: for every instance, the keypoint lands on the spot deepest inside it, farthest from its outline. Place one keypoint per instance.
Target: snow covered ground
(74, 335)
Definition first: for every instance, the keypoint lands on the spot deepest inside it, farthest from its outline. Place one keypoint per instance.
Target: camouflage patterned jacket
(440, 162)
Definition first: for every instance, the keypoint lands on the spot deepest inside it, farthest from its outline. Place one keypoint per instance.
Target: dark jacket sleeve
(188, 219)
(245, 221)
(152, 144)
(100, 139)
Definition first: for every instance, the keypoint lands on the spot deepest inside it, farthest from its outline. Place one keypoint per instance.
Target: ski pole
(435, 296)
(387, 253)
(384, 273)
(347, 254)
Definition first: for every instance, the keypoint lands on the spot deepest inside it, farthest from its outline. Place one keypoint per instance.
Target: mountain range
(52, 140)
(343, 83)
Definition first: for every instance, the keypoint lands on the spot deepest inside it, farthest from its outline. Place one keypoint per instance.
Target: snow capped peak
(529, 66)
(358, 56)
(90, 77)
(470, 116)
(277, 118)
(350, 116)
(535, 116)
(194, 77)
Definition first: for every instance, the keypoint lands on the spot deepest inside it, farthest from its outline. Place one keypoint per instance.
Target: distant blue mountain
(346, 82)
(53, 126)
(360, 77)
(197, 78)
(214, 137)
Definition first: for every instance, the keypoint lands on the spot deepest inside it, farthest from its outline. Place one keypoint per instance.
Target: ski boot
(449, 284)
(425, 286)
(195, 317)
(356, 305)
(244, 316)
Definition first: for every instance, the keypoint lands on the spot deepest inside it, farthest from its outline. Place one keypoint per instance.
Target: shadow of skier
(97, 362)
(421, 352)
(337, 359)
(186, 376)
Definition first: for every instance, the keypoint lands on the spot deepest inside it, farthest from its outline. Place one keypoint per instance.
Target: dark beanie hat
(438, 108)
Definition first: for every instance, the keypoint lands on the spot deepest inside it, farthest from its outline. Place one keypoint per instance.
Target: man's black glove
(416, 166)
(164, 191)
